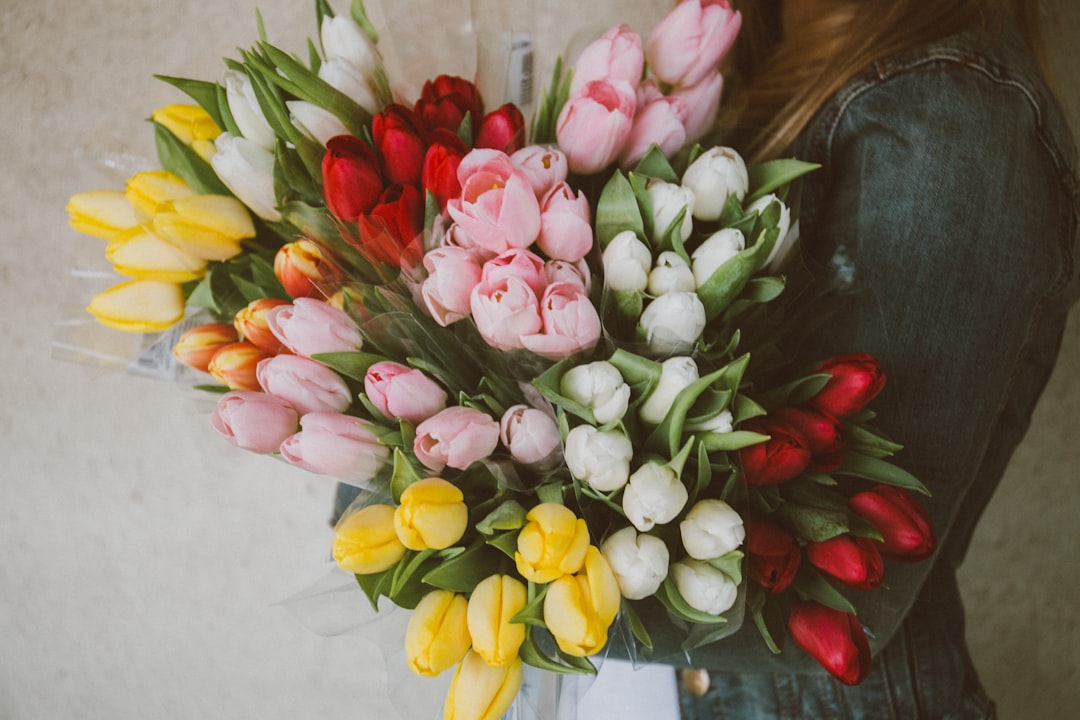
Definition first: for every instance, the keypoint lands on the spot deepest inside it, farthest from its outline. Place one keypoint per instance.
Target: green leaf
(637, 627)
(532, 654)
(668, 594)
(768, 618)
(811, 585)
(463, 572)
(878, 470)
(617, 210)
(181, 160)
(509, 515)
(505, 542)
(812, 523)
(654, 164)
(359, 14)
(533, 612)
(350, 364)
(770, 176)
(375, 586)
(730, 564)
(730, 441)
(403, 476)
(202, 92)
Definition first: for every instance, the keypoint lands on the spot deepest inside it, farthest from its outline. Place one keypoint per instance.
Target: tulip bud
(245, 110)
(571, 324)
(673, 323)
(714, 176)
(653, 496)
(142, 254)
(579, 609)
(317, 123)
(640, 562)
(254, 421)
(197, 346)
(210, 227)
(820, 431)
(457, 436)
(338, 445)
(544, 165)
(671, 274)
(309, 327)
(595, 123)
(721, 422)
(365, 542)
(304, 270)
(711, 529)
(854, 561)
(702, 105)
(251, 322)
(432, 515)
(502, 129)
(598, 386)
(783, 225)
(352, 179)
(493, 602)
(149, 192)
(398, 391)
(437, 636)
(191, 125)
(773, 556)
(627, 262)
(445, 101)
(660, 120)
(668, 200)
(505, 311)
(441, 162)
(615, 55)
(856, 380)
(248, 171)
(398, 139)
(676, 374)
(704, 588)
(784, 456)
(497, 209)
(141, 306)
(480, 691)
(689, 42)
(343, 77)
(551, 544)
(101, 213)
(833, 638)
(236, 365)
(343, 39)
(307, 385)
(531, 436)
(599, 458)
(717, 249)
(565, 229)
(903, 523)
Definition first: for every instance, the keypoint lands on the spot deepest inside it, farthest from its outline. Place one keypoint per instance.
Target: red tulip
(352, 178)
(502, 129)
(854, 561)
(399, 139)
(781, 458)
(821, 431)
(441, 163)
(856, 380)
(833, 638)
(901, 520)
(445, 101)
(392, 225)
(773, 556)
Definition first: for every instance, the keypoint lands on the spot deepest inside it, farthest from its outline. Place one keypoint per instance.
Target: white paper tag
(519, 71)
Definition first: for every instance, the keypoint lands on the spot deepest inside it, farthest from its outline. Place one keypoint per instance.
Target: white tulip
(717, 249)
(716, 174)
(784, 225)
(721, 422)
(675, 374)
(342, 39)
(248, 171)
(346, 79)
(704, 588)
(711, 529)
(640, 562)
(600, 386)
(668, 200)
(317, 123)
(245, 110)
(653, 496)
(673, 323)
(627, 262)
(599, 458)
(671, 274)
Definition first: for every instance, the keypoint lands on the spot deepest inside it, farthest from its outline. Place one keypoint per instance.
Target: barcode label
(519, 75)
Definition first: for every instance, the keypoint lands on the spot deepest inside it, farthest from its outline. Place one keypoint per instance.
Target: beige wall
(139, 555)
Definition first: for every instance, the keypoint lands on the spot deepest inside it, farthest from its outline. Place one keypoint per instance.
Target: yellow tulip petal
(195, 239)
(493, 602)
(365, 541)
(142, 254)
(225, 214)
(189, 123)
(437, 636)
(148, 191)
(481, 692)
(101, 213)
(139, 306)
(432, 515)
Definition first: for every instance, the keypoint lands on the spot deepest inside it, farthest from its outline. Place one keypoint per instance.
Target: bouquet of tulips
(550, 359)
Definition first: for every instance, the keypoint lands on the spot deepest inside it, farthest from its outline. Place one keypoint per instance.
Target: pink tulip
(334, 444)
(544, 165)
(504, 312)
(453, 272)
(615, 55)
(310, 326)
(565, 227)
(595, 124)
(458, 436)
(398, 391)
(531, 435)
(254, 421)
(571, 324)
(702, 104)
(659, 120)
(690, 41)
(305, 384)
(497, 208)
(578, 273)
(526, 266)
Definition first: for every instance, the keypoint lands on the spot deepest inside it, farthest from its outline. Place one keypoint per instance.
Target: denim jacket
(946, 208)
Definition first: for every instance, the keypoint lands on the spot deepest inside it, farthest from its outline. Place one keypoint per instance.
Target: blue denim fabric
(946, 207)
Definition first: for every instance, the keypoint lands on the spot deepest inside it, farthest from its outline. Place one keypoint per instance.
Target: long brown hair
(780, 82)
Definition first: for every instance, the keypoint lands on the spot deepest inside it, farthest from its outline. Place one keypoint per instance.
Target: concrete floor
(141, 557)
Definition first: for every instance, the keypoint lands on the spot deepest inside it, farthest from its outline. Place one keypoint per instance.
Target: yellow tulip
(493, 602)
(139, 253)
(480, 691)
(192, 125)
(552, 543)
(101, 213)
(432, 515)
(579, 609)
(148, 192)
(139, 306)
(365, 542)
(206, 226)
(437, 636)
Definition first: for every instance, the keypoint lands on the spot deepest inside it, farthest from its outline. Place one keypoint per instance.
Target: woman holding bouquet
(945, 212)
